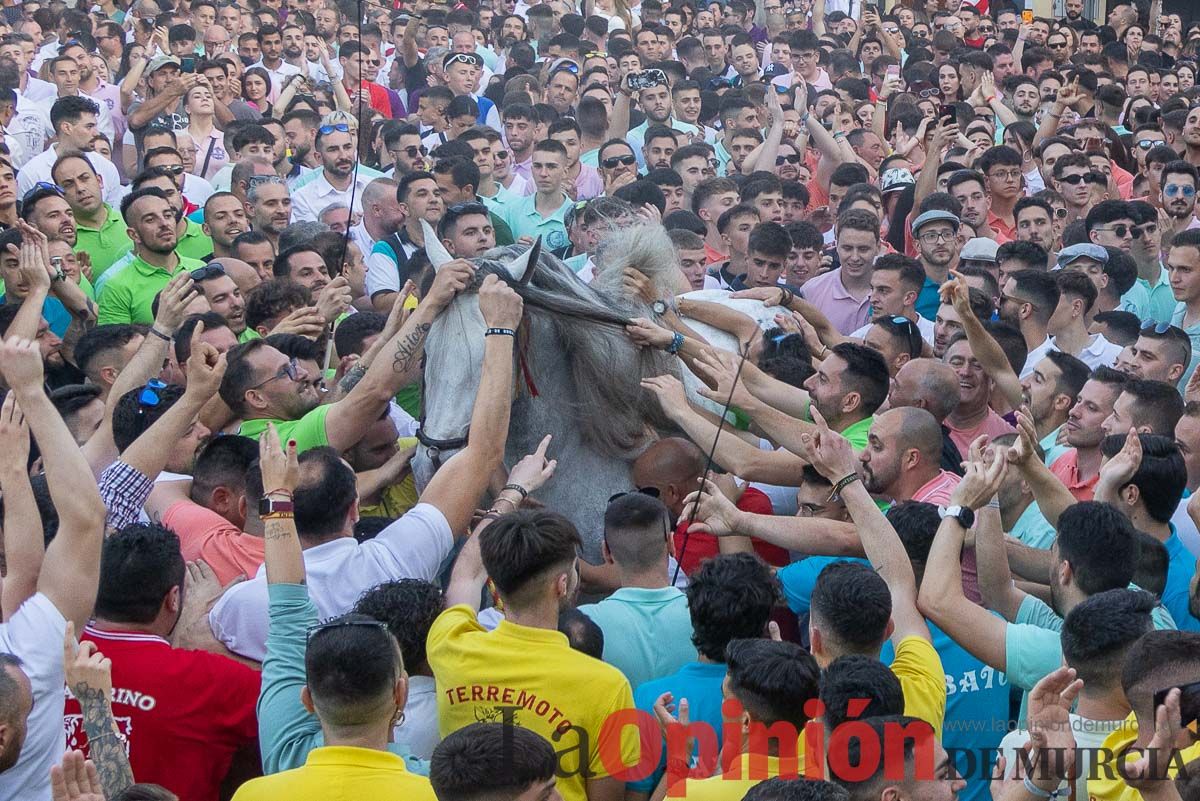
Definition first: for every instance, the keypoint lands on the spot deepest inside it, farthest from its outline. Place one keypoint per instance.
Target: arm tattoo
(106, 748)
(409, 349)
(277, 529)
(351, 378)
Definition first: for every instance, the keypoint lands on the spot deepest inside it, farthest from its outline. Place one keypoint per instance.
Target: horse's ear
(522, 267)
(434, 249)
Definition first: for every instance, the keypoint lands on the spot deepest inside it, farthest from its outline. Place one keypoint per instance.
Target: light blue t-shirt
(647, 633)
(698, 682)
(1033, 529)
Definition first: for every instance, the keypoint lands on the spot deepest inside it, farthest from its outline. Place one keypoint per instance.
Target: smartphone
(647, 78)
(187, 64)
(1189, 703)
(947, 112)
(893, 71)
(1027, 16)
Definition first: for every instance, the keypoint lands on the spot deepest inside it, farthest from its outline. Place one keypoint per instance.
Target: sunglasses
(1146, 144)
(1158, 328)
(150, 395)
(340, 127)
(925, 94)
(567, 66)
(792, 159)
(342, 623)
(174, 169)
(1172, 190)
(1075, 180)
(207, 272)
(464, 58)
(500, 154)
(1121, 229)
(412, 151)
(612, 163)
(42, 186)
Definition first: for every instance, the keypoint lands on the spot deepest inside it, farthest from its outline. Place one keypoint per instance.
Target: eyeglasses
(1171, 190)
(291, 370)
(207, 272)
(43, 186)
(255, 181)
(651, 491)
(792, 159)
(150, 395)
(1004, 175)
(342, 623)
(501, 155)
(931, 237)
(340, 127)
(614, 161)
(1121, 230)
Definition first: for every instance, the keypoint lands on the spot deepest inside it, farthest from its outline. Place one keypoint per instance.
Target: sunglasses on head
(463, 58)
(925, 94)
(150, 395)
(43, 187)
(651, 491)
(340, 127)
(341, 623)
(614, 161)
(207, 272)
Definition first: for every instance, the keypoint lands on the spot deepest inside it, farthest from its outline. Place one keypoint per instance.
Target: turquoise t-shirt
(698, 682)
(1181, 565)
(647, 633)
(1033, 529)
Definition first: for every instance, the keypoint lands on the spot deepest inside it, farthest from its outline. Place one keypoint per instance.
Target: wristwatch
(659, 307)
(963, 514)
(275, 507)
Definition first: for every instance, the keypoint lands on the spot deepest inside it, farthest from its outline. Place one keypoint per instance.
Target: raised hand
(205, 366)
(14, 432)
(828, 451)
(534, 470)
(1120, 469)
(173, 302)
(21, 363)
(957, 293)
(280, 467)
(648, 334)
(980, 483)
(636, 285)
(335, 299)
(713, 513)
(1147, 772)
(502, 307)
(76, 779)
(721, 368)
(88, 672)
(451, 279)
(1050, 704)
(306, 321)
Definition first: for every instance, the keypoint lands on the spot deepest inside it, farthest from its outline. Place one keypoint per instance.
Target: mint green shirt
(524, 219)
(1193, 333)
(1161, 306)
(1033, 529)
(647, 633)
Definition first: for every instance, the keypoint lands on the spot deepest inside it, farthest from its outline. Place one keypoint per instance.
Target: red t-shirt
(183, 713)
(704, 546)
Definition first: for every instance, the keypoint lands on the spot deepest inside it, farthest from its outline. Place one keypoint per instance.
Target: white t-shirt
(38, 169)
(338, 572)
(35, 635)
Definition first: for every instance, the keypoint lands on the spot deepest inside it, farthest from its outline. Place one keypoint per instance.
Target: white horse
(578, 375)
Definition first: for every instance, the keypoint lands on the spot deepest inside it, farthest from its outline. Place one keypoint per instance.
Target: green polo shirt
(856, 433)
(129, 295)
(308, 431)
(524, 220)
(194, 244)
(248, 334)
(105, 244)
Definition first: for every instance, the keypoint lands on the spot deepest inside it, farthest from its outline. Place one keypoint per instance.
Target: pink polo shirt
(1066, 467)
(846, 312)
(588, 184)
(993, 425)
(937, 491)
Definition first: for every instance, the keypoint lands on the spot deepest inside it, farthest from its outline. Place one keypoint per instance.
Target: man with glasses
(1178, 198)
(1001, 167)
(1110, 224)
(403, 144)
(336, 183)
(74, 121)
(99, 230)
(1073, 178)
(618, 164)
(153, 225)
(938, 247)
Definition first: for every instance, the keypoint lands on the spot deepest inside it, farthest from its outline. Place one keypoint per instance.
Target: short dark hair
(484, 761)
(1041, 288)
(914, 735)
(138, 567)
(779, 789)
(855, 677)
(324, 495)
(1099, 543)
(769, 238)
(912, 274)
(773, 680)
(1100, 630)
(70, 109)
(349, 667)
(268, 299)
(852, 603)
(1160, 478)
(525, 544)
(223, 462)
(102, 339)
(282, 268)
(350, 334)
(408, 606)
(131, 418)
(636, 530)
(730, 597)
(1073, 372)
(1157, 404)
(858, 220)
(866, 373)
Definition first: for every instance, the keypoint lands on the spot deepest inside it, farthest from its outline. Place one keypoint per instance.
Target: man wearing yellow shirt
(1160, 660)
(771, 683)
(524, 672)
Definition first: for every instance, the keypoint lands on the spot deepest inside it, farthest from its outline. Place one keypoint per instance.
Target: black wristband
(500, 332)
(517, 488)
(159, 334)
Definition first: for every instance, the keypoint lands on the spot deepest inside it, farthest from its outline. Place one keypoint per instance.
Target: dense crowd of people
(928, 529)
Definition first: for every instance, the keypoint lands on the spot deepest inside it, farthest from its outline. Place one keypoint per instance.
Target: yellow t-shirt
(919, 669)
(743, 774)
(341, 773)
(1103, 788)
(532, 677)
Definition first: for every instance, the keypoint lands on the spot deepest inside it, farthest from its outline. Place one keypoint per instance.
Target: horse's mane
(645, 248)
(588, 325)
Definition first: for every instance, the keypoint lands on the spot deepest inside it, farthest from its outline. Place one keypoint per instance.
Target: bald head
(927, 384)
(913, 428)
(245, 276)
(379, 190)
(673, 460)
